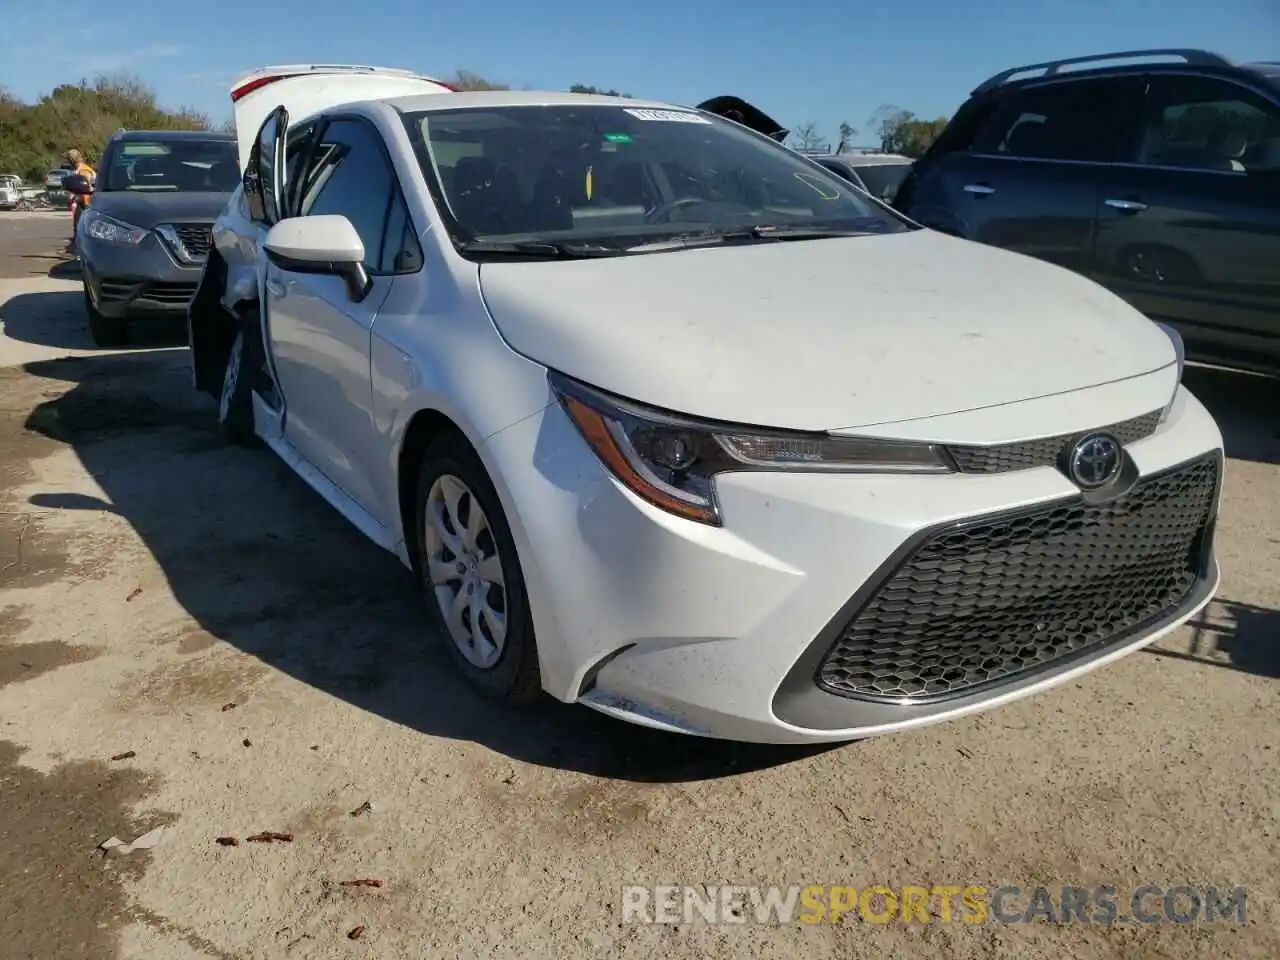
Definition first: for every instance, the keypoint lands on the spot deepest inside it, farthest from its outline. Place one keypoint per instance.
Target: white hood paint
(823, 334)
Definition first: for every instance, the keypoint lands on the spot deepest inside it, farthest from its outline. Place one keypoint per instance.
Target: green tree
(847, 133)
(584, 88)
(34, 137)
(901, 131)
(466, 80)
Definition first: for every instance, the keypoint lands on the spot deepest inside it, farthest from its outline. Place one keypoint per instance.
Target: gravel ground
(190, 639)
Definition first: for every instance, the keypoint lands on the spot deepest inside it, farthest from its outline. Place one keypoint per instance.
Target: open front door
(264, 173)
(739, 111)
(265, 191)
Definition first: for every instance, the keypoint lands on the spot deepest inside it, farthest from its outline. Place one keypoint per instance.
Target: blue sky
(819, 60)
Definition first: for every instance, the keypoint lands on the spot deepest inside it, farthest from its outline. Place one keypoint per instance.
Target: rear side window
(1085, 120)
(1204, 123)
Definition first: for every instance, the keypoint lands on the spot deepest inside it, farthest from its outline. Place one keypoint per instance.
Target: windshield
(167, 166)
(622, 175)
(883, 179)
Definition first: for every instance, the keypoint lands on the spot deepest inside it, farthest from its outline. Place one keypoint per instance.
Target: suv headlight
(101, 227)
(672, 461)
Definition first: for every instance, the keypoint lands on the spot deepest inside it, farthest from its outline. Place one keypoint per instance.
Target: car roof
(127, 135)
(1111, 64)
(519, 98)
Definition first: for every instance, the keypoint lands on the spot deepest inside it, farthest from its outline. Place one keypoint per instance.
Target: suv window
(1203, 123)
(351, 175)
(1080, 120)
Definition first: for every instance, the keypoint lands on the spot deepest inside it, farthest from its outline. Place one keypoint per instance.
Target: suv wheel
(105, 331)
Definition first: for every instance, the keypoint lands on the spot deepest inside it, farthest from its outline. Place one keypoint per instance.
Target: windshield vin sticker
(667, 116)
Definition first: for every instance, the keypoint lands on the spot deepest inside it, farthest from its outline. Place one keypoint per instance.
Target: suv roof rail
(1199, 58)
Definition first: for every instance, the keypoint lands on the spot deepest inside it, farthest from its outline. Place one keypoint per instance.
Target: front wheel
(471, 575)
(235, 399)
(105, 331)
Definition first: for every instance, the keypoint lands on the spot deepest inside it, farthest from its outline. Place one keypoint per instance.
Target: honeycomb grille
(1047, 451)
(988, 600)
(196, 239)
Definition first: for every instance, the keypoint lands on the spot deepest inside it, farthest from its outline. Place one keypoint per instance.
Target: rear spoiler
(739, 111)
(307, 89)
(246, 83)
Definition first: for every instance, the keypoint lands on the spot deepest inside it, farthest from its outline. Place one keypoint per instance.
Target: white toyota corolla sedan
(674, 423)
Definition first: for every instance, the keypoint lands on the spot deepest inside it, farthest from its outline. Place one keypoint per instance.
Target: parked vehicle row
(677, 424)
(1158, 180)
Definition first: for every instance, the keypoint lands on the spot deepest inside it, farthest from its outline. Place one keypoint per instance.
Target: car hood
(823, 334)
(148, 209)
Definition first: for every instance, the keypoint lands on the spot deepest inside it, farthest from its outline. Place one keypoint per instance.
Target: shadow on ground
(1231, 634)
(57, 319)
(261, 562)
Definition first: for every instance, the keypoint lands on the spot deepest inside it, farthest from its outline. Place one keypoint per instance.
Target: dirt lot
(196, 609)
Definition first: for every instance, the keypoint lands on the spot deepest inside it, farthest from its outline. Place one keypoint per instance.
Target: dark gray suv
(1154, 172)
(144, 238)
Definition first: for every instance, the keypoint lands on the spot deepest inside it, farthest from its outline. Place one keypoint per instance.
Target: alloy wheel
(465, 571)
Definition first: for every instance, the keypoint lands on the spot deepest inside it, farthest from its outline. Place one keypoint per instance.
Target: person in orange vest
(76, 161)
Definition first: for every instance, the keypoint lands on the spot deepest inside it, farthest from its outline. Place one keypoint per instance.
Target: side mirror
(77, 183)
(326, 244)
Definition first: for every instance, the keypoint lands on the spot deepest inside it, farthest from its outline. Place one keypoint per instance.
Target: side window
(1084, 120)
(1203, 123)
(257, 175)
(296, 149)
(352, 176)
(401, 252)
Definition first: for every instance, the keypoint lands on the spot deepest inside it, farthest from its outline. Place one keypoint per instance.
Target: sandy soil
(195, 607)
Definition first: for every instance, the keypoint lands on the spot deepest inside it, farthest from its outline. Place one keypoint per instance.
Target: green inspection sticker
(618, 137)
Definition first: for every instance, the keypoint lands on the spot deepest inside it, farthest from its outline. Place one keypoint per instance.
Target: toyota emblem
(1094, 461)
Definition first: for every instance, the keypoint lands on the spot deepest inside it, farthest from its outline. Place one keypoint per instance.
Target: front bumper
(721, 631)
(139, 281)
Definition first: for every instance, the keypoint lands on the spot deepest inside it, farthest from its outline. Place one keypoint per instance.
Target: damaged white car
(674, 423)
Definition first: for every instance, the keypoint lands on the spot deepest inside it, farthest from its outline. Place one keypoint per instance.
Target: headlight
(672, 461)
(101, 227)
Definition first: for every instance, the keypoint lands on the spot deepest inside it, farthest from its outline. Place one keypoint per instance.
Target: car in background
(144, 238)
(880, 174)
(11, 191)
(1155, 173)
(672, 422)
(53, 188)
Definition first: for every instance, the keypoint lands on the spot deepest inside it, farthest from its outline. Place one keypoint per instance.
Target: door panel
(320, 338)
(1041, 208)
(321, 343)
(1029, 178)
(1189, 230)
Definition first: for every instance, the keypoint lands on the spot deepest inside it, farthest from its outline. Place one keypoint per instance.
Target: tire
(105, 331)
(235, 399)
(512, 675)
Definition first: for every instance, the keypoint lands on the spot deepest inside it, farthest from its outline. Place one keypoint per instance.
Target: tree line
(35, 136)
(895, 131)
